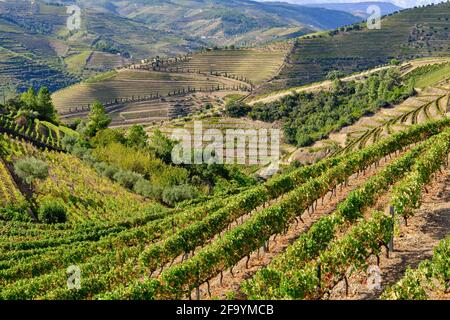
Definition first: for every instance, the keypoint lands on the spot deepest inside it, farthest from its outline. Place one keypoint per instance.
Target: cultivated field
(130, 84)
(255, 65)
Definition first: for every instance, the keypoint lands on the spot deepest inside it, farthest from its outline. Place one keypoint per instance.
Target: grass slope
(412, 33)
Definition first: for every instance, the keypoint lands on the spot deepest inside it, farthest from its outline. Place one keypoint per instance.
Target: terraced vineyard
(102, 61)
(431, 103)
(163, 109)
(129, 84)
(211, 246)
(255, 65)
(9, 193)
(413, 33)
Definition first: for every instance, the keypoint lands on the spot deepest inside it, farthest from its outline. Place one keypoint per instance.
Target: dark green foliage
(40, 104)
(52, 212)
(161, 146)
(309, 117)
(137, 137)
(237, 109)
(98, 119)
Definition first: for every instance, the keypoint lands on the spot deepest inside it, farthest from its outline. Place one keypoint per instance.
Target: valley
(338, 135)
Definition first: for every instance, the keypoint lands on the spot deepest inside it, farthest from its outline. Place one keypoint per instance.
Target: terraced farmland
(163, 109)
(232, 243)
(102, 61)
(413, 33)
(431, 104)
(129, 84)
(256, 65)
(9, 193)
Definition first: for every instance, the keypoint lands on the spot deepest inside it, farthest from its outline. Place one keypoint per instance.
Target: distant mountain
(358, 9)
(36, 47)
(223, 21)
(399, 3)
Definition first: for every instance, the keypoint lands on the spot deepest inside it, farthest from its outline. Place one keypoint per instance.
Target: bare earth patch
(413, 244)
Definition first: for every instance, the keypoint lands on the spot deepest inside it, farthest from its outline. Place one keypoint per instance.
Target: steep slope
(412, 33)
(220, 21)
(37, 48)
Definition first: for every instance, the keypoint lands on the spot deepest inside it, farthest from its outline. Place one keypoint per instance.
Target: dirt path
(314, 87)
(412, 245)
(232, 282)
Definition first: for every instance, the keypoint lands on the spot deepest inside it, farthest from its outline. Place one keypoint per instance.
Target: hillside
(146, 93)
(220, 21)
(117, 33)
(187, 177)
(37, 50)
(286, 224)
(412, 33)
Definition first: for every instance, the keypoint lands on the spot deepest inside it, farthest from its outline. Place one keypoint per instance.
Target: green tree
(161, 146)
(44, 105)
(137, 137)
(335, 74)
(28, 99)
(31, 169)
(38, 105)
(98, 119)
(237, 109)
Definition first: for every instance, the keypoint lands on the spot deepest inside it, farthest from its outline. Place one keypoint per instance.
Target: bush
(126, 178)
(52, 211)
(107, 136)
(69, 142)
(31, 169)
(237, 109)
(146, 189)
(173, 195)
(304, 140)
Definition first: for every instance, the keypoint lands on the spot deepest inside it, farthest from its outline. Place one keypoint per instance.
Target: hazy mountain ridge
(116, 32)
(358, 9)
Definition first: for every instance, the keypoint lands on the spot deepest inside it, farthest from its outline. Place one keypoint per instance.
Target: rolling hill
(36, 48)
(221, 21)
(412, 33)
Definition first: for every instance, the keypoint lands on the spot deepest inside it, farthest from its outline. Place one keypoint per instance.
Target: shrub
(173, 195)
(68, 142)
(52, 211)
(237, 109)
(126, 178)
(31, 169)
(146, 189)
(107, 136)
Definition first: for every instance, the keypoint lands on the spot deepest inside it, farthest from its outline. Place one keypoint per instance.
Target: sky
(400, 3)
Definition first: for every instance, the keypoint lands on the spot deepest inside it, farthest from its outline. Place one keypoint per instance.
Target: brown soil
(232, 282)
(413, 244)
